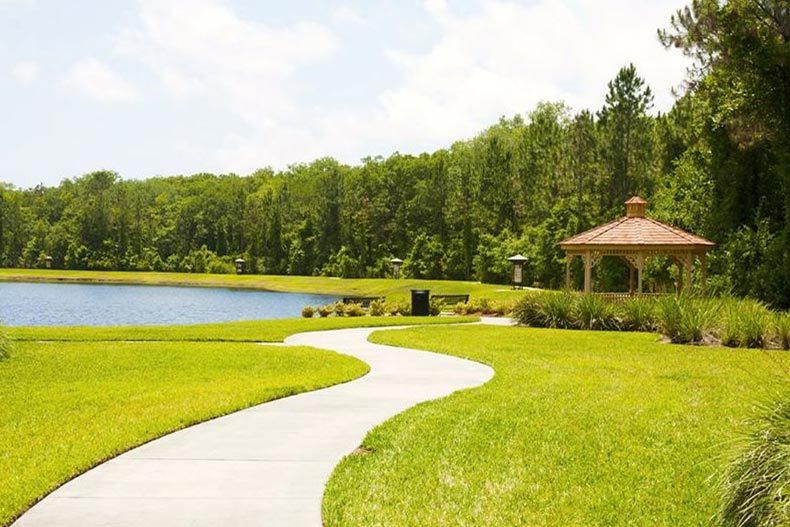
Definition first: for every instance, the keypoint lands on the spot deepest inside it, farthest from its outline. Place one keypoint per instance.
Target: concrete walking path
(263, 466)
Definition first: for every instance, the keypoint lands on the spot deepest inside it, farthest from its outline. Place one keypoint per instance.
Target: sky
(167, 87)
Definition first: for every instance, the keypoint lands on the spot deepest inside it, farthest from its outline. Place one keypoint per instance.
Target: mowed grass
(576, 428)
(67, 406)
(392, 289)
(242, 331)
(74, 396)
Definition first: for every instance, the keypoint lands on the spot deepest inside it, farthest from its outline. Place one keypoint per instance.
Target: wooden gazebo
(635, 238)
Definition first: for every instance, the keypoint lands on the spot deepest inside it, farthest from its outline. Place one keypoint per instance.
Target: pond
(37, 304)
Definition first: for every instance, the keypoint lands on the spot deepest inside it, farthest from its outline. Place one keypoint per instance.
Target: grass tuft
(5, 344)
(756, 486)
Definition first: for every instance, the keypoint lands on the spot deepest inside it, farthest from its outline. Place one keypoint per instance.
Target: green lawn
(242, 331)
(72, 397)
(576, 428)
(392, 289)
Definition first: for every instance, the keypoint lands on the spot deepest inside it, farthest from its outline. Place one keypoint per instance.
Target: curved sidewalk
(263, 466)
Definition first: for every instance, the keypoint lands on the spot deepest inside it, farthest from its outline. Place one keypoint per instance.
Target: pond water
(28, 304)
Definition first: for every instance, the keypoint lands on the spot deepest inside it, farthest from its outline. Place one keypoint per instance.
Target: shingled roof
(635, 229)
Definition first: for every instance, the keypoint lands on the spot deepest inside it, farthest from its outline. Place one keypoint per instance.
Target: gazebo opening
(635, 238)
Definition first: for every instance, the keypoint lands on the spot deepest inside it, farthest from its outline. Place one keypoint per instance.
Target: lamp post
(396, 263)
(518, 262)
(239, 265)
(48, 262)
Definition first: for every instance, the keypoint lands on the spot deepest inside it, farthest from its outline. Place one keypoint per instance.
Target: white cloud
(345, 15)
(509, 56)
(95, 80)
(500, 59)
(26, 71)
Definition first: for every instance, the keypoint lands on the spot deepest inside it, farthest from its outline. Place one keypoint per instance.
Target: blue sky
(164, 87)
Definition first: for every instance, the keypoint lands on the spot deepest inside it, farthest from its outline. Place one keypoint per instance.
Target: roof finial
(635, 207)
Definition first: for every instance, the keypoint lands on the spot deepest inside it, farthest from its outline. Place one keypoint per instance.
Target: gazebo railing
(620, 297)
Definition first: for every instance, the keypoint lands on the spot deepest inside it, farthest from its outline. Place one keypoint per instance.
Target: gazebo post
(640, 265)
(703, 258)
(689, 265)
(679, 263)
(587, 257)
(568, 261)
(630, 279)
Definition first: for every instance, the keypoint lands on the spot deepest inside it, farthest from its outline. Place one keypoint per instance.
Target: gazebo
(635, 238)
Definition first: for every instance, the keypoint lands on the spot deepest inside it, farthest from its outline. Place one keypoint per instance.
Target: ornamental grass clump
(5, 344)
(685, 320)
(756, 486)
(638, 314)
(596, 313)
(558, 310)
(325, 311)
(745, 324)
(529, 311)
(308, 311)
(782, 330)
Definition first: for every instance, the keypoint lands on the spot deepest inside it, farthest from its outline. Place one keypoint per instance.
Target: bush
(558, 310)
(529, 310)
(685, 320)
(638, 314)
(755, 486)
(436, 306)
(594, 312)
(354, 310)
(377, 308)
(402, 308)
(339, 308)
(5, 344)
(782, 330)
(745, 324)
(325, 311)
(308, 311)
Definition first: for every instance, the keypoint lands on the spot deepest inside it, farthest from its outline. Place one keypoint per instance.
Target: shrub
(594, 312)
(395, 308)
(529, 310)
(308, 311)
(755, 485)
(325, 311)
(782, 330)
(436, 306)
(746, 324)
(668, 317)
(354, 310)
(377, 308)
(558, 310)
(685, 320)
(5, 344)
(339, 308)
(638, 314)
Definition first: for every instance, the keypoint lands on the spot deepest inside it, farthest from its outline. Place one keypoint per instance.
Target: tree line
(717, 164)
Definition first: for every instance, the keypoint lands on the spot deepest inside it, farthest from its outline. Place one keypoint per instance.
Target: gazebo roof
(636, 230)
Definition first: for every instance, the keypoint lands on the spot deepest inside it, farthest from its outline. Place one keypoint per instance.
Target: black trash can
(420, 302)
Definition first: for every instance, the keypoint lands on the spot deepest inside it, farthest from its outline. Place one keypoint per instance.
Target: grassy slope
(77, 399)
(392, 289)
(576, 428)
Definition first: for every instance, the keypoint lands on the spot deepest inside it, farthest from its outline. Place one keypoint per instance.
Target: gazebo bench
(364, 301)
(452, 299)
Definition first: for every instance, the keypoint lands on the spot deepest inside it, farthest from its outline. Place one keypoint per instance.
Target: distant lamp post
(396, 263)
(48, 262)
(239, 265)
(518, 262)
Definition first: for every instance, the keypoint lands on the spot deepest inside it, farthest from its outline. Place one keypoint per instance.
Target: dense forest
(717, 164)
